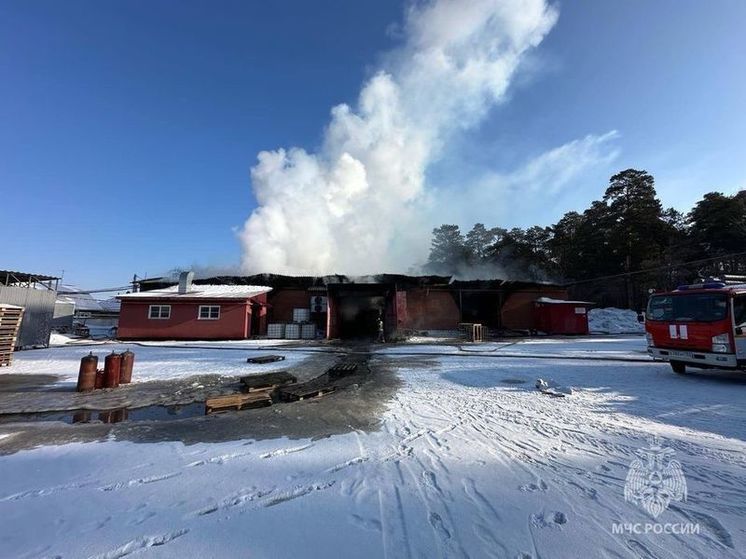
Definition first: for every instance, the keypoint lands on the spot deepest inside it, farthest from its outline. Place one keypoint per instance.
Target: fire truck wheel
(678, 367)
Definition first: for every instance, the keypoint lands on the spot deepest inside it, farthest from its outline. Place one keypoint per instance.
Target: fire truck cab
(701, 325)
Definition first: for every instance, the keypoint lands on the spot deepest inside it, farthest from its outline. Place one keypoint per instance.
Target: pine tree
(719, 223)
(478, 242)
(447, 250)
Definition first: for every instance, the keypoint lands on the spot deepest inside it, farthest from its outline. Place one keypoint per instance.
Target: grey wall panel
(38, 311)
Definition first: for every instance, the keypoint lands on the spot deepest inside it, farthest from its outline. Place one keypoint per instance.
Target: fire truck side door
(739, 318)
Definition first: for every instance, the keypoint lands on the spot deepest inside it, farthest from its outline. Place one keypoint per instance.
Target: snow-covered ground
(156, 361)
(595, 347)
(469, 461)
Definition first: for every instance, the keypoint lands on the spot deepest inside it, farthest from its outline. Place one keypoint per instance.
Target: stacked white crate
(301, 327)
(292, 331)
(276, 330)
(301, 315)
(308, 331)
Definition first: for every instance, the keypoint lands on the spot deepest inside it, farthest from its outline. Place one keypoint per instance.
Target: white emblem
(654, 479)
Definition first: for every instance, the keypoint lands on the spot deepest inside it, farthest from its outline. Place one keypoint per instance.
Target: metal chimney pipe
(185, 282)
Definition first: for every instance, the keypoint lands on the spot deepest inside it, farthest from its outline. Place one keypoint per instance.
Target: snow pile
(614, 321)
(59, 339)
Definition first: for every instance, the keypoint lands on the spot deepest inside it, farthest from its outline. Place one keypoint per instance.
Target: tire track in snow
(139, 481)
(141, 543)
(296, 492)
(237, 499)
(46, 491)
(488, 517)
(220, 459)
(285, 451)
(257, 498)
(394, 534)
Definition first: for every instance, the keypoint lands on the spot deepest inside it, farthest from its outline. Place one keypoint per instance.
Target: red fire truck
(701, 325)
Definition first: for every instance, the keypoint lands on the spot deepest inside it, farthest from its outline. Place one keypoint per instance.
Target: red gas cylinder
(112, 366)
(87, 373)
(100, 378)
(125, 373)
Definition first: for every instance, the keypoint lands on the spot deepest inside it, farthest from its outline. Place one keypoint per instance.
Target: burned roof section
(279, 281)
(308, 282)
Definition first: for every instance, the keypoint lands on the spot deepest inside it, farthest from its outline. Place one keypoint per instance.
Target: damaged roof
(307, 282)
(201, 292)
(320, 283)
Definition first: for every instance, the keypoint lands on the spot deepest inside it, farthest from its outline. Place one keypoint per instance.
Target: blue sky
(129, 129)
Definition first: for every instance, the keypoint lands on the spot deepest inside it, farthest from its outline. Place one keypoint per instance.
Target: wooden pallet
(263, 359)
(474, 331)
(267, 381)
(240, 401)
(342, 370)
(10, 323)
(303, 391)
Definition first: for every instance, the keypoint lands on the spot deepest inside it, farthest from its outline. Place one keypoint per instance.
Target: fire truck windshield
(688, 307)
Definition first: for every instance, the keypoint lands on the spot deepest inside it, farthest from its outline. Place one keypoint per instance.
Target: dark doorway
(358, 315)
(357, 309)
(254, 320)
(482, 307)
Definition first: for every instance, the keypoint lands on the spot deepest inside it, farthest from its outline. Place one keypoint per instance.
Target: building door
(255, 319)
(355, 309)
(739, 319)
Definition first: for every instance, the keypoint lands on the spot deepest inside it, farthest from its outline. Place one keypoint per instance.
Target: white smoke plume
(355, 207)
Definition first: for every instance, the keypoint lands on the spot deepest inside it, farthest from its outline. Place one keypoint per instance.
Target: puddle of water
(147, 413)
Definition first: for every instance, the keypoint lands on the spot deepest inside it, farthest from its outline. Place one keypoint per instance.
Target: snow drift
(614, 321)
(353, 207)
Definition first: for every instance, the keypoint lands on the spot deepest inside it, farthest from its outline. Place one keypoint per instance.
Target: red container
(112, 367)
(87, 373)
(554, 316)
(125, 373)
(100, 378)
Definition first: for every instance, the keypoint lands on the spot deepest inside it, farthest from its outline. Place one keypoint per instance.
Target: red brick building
(342, 306)
(194, 312)
(407, 303)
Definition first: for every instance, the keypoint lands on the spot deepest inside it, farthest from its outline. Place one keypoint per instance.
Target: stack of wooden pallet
(257, 392)
(10, 322)
(474, 332)
(257, 399)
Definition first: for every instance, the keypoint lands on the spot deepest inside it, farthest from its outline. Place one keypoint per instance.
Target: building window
(209, 312)
(159, 312)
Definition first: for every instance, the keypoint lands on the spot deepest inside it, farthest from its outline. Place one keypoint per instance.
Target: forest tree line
(624, 233)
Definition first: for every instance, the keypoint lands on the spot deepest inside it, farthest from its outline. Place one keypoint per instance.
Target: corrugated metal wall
(63, 316)
(38, 311)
